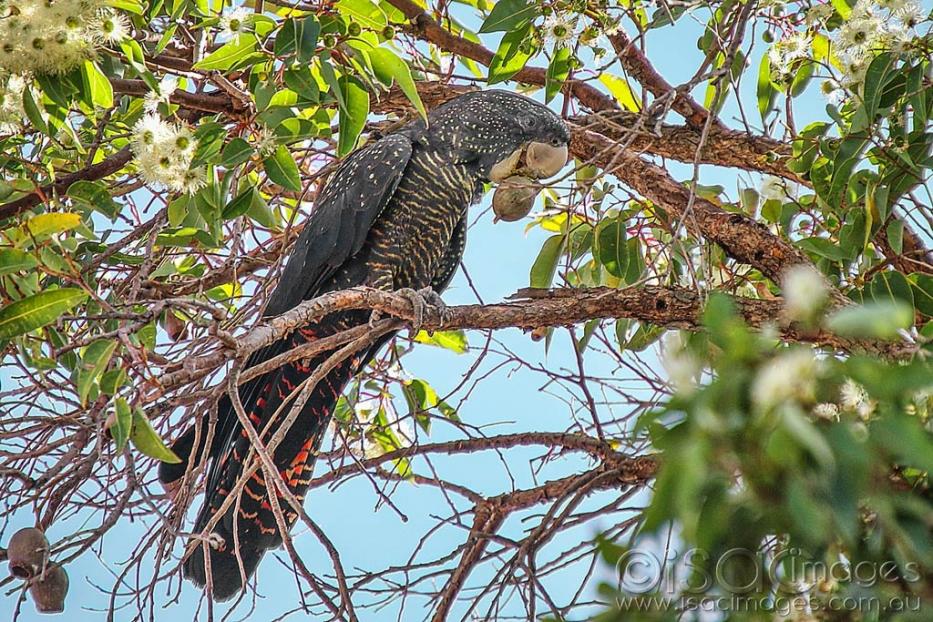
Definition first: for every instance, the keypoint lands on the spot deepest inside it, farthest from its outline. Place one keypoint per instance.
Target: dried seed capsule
(27, 552)
(49, 591)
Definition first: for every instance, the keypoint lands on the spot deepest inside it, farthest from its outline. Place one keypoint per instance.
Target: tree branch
(670, 307)
(108, 166)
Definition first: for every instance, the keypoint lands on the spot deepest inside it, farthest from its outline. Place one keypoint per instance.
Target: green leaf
(96, 85)
(621, 91)
(507, 15)
(13, 260)
(281, 169)
(891, 286)
(240, 204)
(895, 233)
(923, 293)
(300, 80)
(112, 380)
(260, 211)
(823, 248)
(388, 68)
(880, 320)
(557, 72)
(236, 152)
(644, 336)
(122, 423)
(876, 78)
(545, 266)
(93, 364)
(147, 440)
(453, 340)
(229, 54)
(611, 249)
(843, 8)
(509, 59)
(95, 195)
(298, 37)
(56, 88)
(31, 108)
(766, 91)
(365, 12)
(353, 118)
(28, 314)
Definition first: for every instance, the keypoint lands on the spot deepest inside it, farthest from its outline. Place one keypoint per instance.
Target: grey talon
(417, 302)
(434, 299)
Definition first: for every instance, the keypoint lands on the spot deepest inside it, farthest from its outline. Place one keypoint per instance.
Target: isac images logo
(736, 580)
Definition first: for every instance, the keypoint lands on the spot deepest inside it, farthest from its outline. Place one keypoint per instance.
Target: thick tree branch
(670, 307)
(724, 147)
(108, 166)
(741, 237)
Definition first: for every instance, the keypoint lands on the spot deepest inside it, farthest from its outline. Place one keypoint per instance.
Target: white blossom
(818, 14)
(805, 292)
(160, 96)
(395, 372)
(777, 188)
(265, 141)
(682, 367)
(164, 152)
(11, 104)
(826, 410)
(910, 15)
(559, 29)
(789, 376)
(110, 26)
(854, 398)
(367, 409)
(233, 24)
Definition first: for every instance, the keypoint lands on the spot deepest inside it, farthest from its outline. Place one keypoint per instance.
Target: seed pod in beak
(506, 167)
(514, 198)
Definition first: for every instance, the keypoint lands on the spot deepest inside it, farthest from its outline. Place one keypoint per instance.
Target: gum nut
(175, 327)
(514, 198)
(49, 591)
(27, 552)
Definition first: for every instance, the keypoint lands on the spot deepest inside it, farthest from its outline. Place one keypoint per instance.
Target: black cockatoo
(393, 216)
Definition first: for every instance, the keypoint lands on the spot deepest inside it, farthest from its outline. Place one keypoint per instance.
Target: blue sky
(372, 536)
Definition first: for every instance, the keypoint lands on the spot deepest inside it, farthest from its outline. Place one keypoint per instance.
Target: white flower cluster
(11, 104)
(55, 36)
(778, 189)
(874, 27)
(805, 292)
(789, 376)
(163, 153)
(161, 95)
(785, 54)
(854, 398)
(682, 366)
(367, 445)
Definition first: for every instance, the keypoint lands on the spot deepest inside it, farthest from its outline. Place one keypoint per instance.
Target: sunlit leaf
(147, 440)
(28, 314)
(281, 169)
